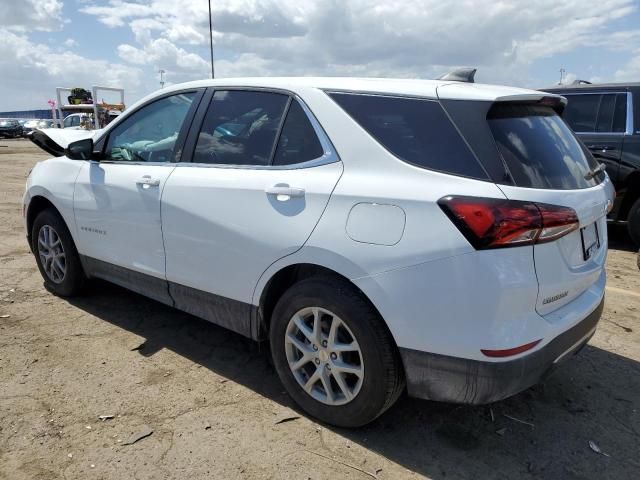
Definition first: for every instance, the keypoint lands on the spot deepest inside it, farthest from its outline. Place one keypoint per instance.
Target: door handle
(602, 148)
(146, 181)
(283, 193)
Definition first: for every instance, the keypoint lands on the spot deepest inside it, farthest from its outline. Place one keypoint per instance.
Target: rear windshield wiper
(592, 173)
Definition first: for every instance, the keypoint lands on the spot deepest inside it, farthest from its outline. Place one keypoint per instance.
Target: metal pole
(211, 40)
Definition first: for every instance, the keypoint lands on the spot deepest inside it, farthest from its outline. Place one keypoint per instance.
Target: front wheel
(56, 254)
(633, 222)
(333, 353)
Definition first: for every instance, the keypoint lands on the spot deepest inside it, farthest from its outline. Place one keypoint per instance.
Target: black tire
(633, 222)
(74, 278)
(383, 379)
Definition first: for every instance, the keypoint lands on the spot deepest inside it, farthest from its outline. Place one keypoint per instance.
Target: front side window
(596, 113)
(150, 134)
(417, 131)
(240, 128)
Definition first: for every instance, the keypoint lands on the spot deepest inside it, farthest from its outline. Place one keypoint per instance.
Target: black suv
(606, 117)
(10, 127)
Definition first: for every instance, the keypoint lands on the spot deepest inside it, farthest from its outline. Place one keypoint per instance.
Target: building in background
(44, 113)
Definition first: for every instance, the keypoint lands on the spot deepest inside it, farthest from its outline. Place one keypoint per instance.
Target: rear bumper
(458, 380)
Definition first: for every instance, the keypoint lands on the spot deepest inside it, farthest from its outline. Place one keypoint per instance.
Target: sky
(80, 43)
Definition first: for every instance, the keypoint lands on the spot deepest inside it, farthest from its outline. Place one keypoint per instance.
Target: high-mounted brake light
(550, 101)
(499, 223)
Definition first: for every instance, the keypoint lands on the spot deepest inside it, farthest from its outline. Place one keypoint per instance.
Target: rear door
(599, 119)
(548, 165)
(262, 172)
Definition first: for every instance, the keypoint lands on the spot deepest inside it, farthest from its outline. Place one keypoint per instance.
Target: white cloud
(32, 71)
(397, 38)
(410, 38)
(631, 70)
(159, 53)
(70, 43)
(27, 15)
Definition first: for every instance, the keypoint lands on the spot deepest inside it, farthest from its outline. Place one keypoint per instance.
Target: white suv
(444, 236)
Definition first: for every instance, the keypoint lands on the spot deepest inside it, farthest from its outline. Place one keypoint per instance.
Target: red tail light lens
(556, 222)
(498, 223)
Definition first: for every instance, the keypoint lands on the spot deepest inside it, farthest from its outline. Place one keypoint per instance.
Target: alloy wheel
(52, 255)
(324, 356)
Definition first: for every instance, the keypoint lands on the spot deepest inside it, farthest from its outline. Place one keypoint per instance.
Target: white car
(444, 237)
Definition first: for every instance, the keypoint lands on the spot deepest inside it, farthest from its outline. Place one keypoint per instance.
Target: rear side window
(539, 149)
(240, 128)
(597, 113)
(415, 130)
(298, 141)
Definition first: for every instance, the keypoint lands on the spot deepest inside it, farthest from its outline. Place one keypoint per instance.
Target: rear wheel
(56, 254)
(633, 222)
(333, 352)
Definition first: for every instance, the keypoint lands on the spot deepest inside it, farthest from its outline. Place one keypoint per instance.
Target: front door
(117, 199)
(261, 176)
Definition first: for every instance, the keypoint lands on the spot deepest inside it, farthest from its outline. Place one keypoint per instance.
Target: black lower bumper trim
(459, 380)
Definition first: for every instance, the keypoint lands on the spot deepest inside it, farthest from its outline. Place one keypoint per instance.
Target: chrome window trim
(629, 119)
(124, 162)
(329, 156)
(629, 126)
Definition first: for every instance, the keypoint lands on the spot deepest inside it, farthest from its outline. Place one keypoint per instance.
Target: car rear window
(416, 131)
(539, 149)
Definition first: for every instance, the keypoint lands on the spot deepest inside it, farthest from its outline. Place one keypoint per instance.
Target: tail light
(499, 223)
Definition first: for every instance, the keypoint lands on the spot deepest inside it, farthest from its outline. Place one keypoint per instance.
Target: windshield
(539, 149)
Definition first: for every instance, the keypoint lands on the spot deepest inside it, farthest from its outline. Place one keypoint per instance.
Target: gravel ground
(217, 411)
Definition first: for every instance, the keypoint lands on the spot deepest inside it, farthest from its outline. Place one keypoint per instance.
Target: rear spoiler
(492, 93)
(556, 102)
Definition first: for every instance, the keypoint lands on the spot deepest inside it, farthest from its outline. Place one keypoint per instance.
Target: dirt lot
(214, 403)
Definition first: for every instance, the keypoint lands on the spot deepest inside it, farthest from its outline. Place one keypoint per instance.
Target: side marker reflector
(509, 352)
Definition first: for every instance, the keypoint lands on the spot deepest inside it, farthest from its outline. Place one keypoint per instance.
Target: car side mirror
(80, 150)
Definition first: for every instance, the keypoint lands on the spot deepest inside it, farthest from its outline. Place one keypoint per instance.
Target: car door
(599, 119)
(262, 172)
(117, 199)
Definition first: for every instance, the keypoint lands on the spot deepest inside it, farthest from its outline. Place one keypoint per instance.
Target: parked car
(34, 124)
(378, 233)
(10, 127)
(606, 118)
(77, 121)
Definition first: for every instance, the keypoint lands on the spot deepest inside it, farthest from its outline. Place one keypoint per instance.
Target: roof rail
(465, 74)
(577, 81)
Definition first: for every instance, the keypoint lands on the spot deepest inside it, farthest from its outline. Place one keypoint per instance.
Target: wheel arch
(37, 204)
(280, 279)
(632, 193)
